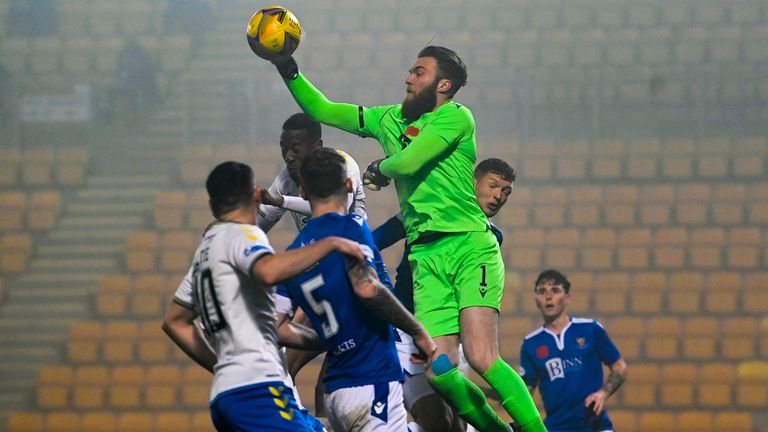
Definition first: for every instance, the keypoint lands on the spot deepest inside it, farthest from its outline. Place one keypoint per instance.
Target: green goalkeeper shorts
(456, 271)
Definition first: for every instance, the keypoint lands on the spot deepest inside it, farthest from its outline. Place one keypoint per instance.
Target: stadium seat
(737, 421)
(643, 395)
(141, 251)
(657, 421)
(549, 215)
(14, 252)
(169, 210)
(583, 215)
(53, 385)
(44, 210)
(12, 208)
(200, 421)
(26, 421)
(99, 421)
(171, 421)
(605, 168)
(570, 168)
(699, 421)
(135, 421)
(677, 394)
(64, 421)
(84, 342)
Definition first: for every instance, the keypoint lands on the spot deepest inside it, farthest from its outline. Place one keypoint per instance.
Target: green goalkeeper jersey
(431, 159)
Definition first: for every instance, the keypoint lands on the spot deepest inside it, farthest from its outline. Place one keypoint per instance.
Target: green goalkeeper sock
(468, 400)
(515, 397)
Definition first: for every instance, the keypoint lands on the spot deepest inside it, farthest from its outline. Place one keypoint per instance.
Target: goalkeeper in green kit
(458, 273)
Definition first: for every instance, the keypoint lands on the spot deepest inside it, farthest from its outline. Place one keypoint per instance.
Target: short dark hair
(301, 121)
(229, 186)
(496, 166)
(554, 276)
(323, 173)
(449, 66)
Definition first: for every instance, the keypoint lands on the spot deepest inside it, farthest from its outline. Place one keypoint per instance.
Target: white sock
(414, 427)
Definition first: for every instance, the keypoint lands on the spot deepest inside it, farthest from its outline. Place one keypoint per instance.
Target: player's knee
(480, 360)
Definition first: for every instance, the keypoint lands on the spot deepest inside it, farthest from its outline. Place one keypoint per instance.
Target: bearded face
(421, 102)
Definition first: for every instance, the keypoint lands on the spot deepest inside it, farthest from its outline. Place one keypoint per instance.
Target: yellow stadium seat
(200, 421)
(64, 421)
(24, 421)
(738, 421)
(657, 421)
(661, 347)
(172, 421)
(597, 258)
(53, 384)
(677, 395)
(99, 421)
(714, 395)
(698, 421)
(12, 208)
(135, 421)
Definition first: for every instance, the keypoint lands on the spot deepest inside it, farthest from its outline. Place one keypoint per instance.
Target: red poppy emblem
(411, 131)
(542, 351)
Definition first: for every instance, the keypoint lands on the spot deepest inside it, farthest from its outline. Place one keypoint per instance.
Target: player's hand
(351, 249)
(287, 67)
(373, 179)
(596, 401)
(427, 349)
(268, 198)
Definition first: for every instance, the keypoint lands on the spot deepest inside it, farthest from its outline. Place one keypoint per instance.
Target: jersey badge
(542, 351)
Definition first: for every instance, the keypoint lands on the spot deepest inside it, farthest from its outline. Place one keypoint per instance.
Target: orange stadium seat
(26, 421)
(699, 421)
(99, 421)
(171, 421)
(161, 389)
(70, 174)
(169, 209)
(200, 421)
(133, 421)
(53, 385)
(12, 208)
(141, 251)
(64, 421)
(43, 210)
(125, 387)
(118, 344)
(606, 168)
(657, 421)
(84, 342)
(14, 252)
(734, 421)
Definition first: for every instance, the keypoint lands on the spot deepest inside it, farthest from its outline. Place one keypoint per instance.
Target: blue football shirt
(360, 346)
(567, 368)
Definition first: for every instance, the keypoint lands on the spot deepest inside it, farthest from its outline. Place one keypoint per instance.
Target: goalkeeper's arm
(313, 102)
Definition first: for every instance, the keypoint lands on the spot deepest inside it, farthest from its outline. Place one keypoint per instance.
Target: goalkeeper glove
(287, 67)
(373, 179)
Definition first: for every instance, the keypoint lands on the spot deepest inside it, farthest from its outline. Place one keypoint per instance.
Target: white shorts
(416, 385)
(367, 408)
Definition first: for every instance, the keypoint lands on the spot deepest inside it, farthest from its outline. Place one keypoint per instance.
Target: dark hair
(301, 121)
(323, 173)
(496, 166)
(449, 66)
(554, 276)
(229, 186)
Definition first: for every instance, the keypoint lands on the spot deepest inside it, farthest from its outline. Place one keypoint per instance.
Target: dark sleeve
(389, 233)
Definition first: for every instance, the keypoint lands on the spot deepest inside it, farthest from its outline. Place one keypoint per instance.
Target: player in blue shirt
(350, 308)
(493, 184)
(565, 358)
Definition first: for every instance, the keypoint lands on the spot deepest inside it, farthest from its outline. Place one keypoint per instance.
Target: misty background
(638, 130)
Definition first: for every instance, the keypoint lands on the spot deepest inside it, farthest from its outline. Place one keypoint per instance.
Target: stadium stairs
(68, 261)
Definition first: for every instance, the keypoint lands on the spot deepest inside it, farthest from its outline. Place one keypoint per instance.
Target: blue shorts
(268, 406)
